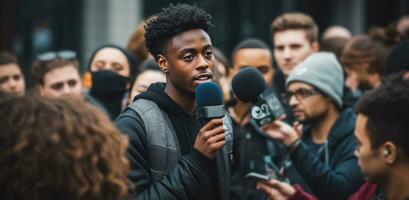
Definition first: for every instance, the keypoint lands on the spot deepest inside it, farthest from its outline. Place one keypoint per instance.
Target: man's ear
(389, 152)
(163, 63)
(315, 47)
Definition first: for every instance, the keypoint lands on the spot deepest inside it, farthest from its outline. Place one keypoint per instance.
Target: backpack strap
(162, 143)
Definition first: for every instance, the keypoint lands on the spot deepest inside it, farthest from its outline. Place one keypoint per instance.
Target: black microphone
(248, 85)
(209, 101)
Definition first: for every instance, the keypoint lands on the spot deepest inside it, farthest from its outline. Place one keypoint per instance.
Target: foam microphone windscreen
(208, 94)
(248, 84)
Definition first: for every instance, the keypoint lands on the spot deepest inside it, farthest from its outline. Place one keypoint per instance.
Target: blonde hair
(296, 21)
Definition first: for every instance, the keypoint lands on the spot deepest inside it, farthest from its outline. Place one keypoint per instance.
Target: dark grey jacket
(192, 175)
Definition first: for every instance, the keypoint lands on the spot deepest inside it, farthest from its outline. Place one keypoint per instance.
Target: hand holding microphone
(210, 110)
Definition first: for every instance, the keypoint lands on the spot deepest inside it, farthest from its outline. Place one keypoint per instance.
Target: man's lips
(297, 112)
(203, 77)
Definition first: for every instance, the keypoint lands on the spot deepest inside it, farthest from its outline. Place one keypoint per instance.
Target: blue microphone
(209, 101)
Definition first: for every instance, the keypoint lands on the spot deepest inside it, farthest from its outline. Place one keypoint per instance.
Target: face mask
(107, 82)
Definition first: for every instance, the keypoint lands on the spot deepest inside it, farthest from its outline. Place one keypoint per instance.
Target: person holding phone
(382, 150)
(321, 155)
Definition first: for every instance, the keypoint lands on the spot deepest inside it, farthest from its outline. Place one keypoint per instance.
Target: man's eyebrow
(207, 46)
(187, 50)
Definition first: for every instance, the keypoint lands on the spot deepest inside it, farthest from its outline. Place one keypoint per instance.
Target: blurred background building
(29, 27)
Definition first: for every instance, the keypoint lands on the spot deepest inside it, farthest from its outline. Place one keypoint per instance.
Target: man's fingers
(211, 133)
(282, 117)
(270, 192)
(272, 183)
(216, 138)
(211, 125)
(263, 187)
(217, 145)
(281, 187)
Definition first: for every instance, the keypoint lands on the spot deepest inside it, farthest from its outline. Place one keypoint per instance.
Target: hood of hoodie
(185, 124)
(156, 93)
(342, 128)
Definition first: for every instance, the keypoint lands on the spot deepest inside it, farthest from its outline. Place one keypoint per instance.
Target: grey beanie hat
(323, 71)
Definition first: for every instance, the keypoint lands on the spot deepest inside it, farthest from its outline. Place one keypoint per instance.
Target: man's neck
(397, 186)
(184, 100)
(241, 113)
(321, 128)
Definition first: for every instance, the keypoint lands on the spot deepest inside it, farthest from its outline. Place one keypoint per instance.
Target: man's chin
(287, 70)
(373, 179)
(299, 118)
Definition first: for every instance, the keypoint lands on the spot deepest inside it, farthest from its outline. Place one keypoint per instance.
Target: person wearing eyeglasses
(11, 76)
(321, 154)
(113, 71)
(56, 74)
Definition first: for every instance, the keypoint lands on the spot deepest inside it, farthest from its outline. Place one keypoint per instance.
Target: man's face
(290, 48)
(370, 160)
(11, 80)
(64, 81)
(261, 59)
(306, 102)
(188, 61)
(358, 77)
(111, 59)
(145, 79)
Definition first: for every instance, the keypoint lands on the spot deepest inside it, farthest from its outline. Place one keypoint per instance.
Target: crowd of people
(128, 129)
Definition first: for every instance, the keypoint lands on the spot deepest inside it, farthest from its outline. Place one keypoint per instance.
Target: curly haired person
(57, 149)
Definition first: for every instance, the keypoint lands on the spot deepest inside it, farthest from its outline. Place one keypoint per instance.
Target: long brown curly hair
(59, 149)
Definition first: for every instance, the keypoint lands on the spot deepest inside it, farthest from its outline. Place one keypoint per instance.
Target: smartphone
(257, 176)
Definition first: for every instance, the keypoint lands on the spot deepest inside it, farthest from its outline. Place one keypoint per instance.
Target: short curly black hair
(387, 108)
(172, 21)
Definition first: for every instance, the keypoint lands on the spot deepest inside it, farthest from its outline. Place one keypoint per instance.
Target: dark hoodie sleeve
(326, 183)
(181, 183)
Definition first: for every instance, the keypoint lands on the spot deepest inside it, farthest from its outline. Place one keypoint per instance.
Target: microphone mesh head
(248, 84)
(208, 94)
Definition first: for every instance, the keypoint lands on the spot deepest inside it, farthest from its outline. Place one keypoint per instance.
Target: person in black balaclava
(113, 70)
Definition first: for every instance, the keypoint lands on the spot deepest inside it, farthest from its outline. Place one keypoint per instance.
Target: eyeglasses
(52, 55)
(300, 94)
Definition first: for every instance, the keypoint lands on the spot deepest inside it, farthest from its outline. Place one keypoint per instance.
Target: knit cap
(323, 71)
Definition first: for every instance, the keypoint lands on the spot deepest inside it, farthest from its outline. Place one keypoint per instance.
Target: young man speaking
(172, 154)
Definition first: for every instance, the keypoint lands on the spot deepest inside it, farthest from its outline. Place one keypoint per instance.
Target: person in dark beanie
(322, 153)
(113, 70)
(398, 59)
(172, 154)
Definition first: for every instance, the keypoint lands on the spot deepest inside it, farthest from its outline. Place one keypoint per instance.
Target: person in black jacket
(172, 154)
(322, 154)
(252, 152)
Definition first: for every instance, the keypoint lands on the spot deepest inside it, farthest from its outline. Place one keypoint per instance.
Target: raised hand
(278, 130)
(210, 138)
